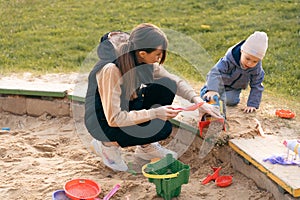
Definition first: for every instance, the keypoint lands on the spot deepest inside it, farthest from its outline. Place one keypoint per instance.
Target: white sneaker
(111, 156)
(154, 150)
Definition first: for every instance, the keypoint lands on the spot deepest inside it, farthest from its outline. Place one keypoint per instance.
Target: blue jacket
(227, 74)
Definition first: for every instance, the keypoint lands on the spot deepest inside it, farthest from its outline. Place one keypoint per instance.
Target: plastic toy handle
(112, 192)
(207, 179)
(190, 108)
(285, 143)
(214, 176)
(157, 176)
(213, 101)
(182, 109)
(194, 107)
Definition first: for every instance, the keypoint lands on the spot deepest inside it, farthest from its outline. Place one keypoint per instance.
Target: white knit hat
(256, 44)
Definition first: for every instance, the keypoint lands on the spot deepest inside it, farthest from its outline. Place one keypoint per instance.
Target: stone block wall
(21, 105)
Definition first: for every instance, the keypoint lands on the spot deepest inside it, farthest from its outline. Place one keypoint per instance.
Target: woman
(129, 96)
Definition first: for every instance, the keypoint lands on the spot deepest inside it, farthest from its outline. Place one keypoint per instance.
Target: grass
(56, 36)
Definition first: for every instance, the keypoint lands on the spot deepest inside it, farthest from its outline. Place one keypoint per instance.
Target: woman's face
(150, 58)
(248, 61)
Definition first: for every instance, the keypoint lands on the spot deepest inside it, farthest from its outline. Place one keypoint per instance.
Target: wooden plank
(258, 149)
(18, 87)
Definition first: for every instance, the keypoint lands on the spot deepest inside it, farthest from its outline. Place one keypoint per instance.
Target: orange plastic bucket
(285, 114)
(223, 181)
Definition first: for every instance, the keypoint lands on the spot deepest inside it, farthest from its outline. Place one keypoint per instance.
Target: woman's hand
(249, 109)
(214, 111)
(166, 112)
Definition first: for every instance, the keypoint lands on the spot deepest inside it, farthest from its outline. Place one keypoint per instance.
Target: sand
(40, 154)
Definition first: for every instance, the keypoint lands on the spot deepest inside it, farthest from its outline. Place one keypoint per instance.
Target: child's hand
(210, 95)
(249, 109)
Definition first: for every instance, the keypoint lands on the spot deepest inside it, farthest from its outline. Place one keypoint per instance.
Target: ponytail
(145, 37)
(126, 64)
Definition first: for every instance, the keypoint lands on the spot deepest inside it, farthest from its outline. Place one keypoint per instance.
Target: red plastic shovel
(221, 181)
(212, 177)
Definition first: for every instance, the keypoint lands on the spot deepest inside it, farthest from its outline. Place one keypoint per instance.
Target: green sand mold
(168, 174)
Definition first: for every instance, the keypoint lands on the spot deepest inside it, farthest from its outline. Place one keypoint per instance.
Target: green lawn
(56, 36)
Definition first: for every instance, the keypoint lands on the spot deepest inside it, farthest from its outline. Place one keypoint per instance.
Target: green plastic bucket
(168, 174)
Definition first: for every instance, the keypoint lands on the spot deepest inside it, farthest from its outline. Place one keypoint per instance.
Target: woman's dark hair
(145, 37)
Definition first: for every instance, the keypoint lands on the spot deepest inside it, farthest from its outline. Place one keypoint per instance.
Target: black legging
(161, 92)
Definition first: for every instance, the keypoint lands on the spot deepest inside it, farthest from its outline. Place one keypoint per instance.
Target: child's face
(248, 61)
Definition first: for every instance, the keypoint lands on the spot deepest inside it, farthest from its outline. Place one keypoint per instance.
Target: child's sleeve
(257, 88)
(214, 77)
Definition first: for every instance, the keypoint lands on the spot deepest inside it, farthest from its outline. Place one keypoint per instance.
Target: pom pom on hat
(256, 44)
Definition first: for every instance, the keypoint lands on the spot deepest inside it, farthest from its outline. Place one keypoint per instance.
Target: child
(129, 96)
(241, 66)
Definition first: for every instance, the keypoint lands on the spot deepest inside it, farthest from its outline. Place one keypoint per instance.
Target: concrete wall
(21, 105)
(261, 180)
